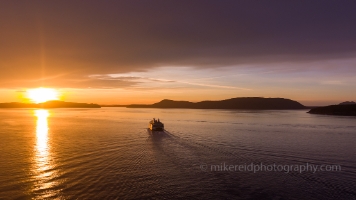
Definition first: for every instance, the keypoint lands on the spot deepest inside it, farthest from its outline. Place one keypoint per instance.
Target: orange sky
(128, 52)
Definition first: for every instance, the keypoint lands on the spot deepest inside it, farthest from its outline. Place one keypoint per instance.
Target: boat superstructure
(156, 125)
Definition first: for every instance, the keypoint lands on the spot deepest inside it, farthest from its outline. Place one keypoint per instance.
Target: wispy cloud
(334, 82)
(213, 85)
(143, 78)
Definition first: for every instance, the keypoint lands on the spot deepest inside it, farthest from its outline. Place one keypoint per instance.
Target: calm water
(109, 154)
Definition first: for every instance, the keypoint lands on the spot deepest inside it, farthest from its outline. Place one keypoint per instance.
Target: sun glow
(40, 95)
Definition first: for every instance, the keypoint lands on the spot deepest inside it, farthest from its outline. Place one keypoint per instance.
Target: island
(248, 103)
(347, 103)
(341, 110)
(49, 104)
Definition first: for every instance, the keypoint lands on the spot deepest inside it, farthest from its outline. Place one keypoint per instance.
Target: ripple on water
(110, 155)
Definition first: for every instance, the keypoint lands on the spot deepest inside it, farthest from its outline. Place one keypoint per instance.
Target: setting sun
(40, 95)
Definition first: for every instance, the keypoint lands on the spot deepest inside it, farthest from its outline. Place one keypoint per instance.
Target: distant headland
(348, 103)
(348, 109)
(248, 103)
(49, 104)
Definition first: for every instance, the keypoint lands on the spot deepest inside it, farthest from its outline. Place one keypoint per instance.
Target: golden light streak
(43, 168)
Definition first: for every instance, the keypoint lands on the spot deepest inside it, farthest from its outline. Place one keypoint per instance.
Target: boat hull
(156, 129)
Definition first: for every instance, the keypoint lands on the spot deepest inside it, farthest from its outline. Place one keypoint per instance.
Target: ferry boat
(156, 125)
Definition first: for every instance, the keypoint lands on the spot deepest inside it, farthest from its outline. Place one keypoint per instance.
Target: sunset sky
(123, 52)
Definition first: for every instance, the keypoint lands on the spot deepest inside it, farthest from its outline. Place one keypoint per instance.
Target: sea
(109, 153)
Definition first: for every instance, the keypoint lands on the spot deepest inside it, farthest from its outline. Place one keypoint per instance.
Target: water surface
(108, 153)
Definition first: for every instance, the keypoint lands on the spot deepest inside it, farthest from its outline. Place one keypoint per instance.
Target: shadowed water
(108, 153)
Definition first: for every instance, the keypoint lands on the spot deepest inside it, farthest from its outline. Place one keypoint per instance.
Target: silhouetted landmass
(49, 104)
(255, 103)
(347, 103)
(344, 110)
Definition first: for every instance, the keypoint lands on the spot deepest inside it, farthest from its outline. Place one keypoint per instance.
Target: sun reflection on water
(43, 170)
(42, 137)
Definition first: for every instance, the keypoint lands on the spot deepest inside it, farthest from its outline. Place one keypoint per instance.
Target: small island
(348, 103)
(49, 104)
(341, 110)
(248, 103)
